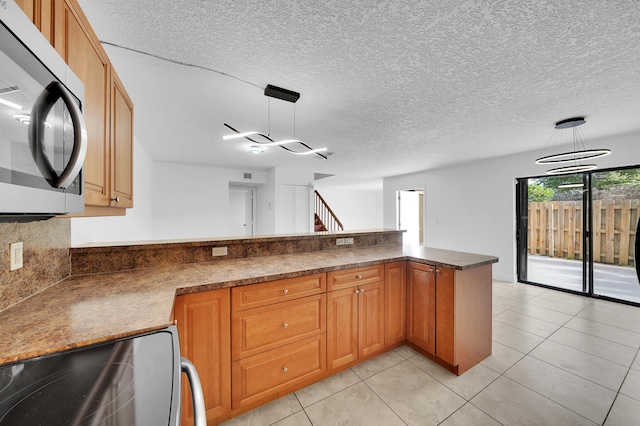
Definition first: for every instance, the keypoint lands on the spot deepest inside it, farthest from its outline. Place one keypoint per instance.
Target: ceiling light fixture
(239, 135)
(577, 155)
(254, 149)
(285, 95)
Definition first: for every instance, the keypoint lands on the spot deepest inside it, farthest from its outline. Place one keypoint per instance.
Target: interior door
(241, 211)
(410, 215)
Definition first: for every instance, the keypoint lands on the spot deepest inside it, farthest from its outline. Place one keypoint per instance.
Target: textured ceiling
(389, 87)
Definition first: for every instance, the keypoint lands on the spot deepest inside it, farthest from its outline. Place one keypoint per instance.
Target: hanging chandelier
(262, 140)
(579, 154)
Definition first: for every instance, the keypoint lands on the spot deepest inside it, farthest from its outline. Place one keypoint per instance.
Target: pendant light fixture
(577, 156)
(262, 140)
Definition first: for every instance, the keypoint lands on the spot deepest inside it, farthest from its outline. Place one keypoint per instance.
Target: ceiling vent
(247, 175)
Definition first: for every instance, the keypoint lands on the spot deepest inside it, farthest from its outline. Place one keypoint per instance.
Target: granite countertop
(87, 309)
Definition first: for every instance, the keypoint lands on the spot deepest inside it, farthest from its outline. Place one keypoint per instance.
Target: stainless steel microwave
(43, 139)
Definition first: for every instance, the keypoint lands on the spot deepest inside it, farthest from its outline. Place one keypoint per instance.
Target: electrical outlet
(219, 251)
(339, 241)
(348, 240)
(16, 256)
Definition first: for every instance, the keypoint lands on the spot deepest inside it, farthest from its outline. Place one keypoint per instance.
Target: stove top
(133, 381)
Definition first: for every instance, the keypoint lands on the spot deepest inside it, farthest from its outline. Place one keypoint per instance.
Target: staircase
(324, 218)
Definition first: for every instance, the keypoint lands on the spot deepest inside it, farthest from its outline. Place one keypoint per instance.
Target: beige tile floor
(558, 359)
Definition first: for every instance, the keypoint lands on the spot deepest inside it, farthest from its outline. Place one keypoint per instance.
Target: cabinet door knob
(117, 199)
(285, 291)
(437, 271)
(357, 291)
(359, 277)
(362, 290)
(285, 369)
(430, 270)
(285, 325)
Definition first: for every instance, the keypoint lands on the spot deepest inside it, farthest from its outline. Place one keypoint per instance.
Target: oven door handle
(199, 413)
(41, 108)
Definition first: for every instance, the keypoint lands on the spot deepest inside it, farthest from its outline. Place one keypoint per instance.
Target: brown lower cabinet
(449, 314)
(421, 306)
(395, 303)
(261, 378)
(204, 331)
(278, 339)
(255, 343)
(355, 316)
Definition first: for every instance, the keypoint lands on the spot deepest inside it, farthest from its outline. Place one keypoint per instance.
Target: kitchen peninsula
(298, 304)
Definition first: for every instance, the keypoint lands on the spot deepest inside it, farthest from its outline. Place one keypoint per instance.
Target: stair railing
(326, 215)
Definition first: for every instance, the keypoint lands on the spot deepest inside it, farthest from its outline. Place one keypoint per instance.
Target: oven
(131, 381)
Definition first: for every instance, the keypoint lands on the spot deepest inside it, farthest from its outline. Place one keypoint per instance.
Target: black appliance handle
(199, 412)
(41, 108)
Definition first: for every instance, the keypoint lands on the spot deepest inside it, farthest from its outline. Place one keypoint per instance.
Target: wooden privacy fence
(555, 230)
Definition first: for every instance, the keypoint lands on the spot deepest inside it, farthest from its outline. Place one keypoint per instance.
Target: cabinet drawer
(260, 329)
(256, 295)
(277, 372)
(351, 277)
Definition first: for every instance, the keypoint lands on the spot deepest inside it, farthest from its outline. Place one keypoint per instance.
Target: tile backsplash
(45, 256)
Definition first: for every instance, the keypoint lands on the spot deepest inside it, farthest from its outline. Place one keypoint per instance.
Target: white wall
(171, 201)
(192, 201)
(471, 207)
(136, 225)
(355, 209)
(189, 201)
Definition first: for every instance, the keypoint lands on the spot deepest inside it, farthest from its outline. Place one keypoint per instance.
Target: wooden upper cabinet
(29, 8)
(41, 13)
(121, 144)
(107, 108)
(87, 59)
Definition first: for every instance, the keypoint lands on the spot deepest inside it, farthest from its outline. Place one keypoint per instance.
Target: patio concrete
(619, 282)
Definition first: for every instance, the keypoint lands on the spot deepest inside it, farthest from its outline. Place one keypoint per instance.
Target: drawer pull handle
(285, 325)
(285, 369)
(285, 291)
(357, 291)
(359, 277)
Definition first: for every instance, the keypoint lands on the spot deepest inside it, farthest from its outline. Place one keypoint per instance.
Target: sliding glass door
(554, 251)
(578, 232)
(615, 196)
